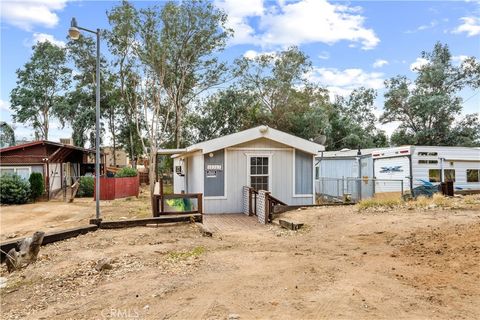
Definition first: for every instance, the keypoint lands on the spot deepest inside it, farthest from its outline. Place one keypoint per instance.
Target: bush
(126, 172)
(13, 189)
(37, 187)
(86, 186)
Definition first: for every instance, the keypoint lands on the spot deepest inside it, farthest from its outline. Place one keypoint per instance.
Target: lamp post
(74, 33)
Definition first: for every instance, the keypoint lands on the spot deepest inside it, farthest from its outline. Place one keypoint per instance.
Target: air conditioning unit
(68, 141)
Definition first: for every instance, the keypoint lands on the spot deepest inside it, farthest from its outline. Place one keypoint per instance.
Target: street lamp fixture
(74, 33)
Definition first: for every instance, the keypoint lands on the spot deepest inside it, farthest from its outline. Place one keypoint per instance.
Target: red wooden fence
(114, 188)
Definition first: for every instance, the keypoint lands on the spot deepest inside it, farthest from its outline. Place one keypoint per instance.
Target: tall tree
(428, 107)
(285, 99)
(40, 90)
(225, 112)
(353, 123)
(193, 31)
(7, 135)
(122, 40)
(80, 113)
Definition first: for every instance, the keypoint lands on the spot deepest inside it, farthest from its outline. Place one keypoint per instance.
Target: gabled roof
(44, 142)
(252, 134)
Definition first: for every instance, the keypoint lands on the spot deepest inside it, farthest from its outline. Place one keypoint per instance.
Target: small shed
(260, 158)
(60, 164)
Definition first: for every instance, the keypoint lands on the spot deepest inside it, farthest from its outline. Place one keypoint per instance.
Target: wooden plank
(50, 237)
(143, 222)
(181, 195)
(290, 225)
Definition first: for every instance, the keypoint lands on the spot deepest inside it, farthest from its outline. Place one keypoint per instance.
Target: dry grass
(421, 202)
(379, 203)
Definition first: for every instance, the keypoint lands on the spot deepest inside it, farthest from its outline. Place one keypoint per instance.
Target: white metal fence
(356, 189)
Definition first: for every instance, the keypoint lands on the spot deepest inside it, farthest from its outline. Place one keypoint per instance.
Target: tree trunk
(29, 248)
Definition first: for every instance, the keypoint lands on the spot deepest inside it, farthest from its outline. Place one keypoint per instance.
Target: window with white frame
(23, 172)
(259, 173)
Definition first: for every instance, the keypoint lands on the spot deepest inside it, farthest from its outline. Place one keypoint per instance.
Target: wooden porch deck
(231, 222)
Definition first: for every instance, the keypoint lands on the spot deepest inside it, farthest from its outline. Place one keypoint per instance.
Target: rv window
(427, 161)
(473, 175)
(449, 175)
(434, 175)
(424, 154)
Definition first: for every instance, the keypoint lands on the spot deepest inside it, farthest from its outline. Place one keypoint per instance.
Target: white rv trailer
(420, 165)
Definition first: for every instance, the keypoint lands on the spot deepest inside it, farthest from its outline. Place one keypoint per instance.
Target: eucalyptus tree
(122, 41)
(427, 108)
(193, 32)
(39, 94)
(285, 98)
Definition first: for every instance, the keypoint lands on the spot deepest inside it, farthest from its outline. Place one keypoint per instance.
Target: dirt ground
(18, 221)
(344, 264)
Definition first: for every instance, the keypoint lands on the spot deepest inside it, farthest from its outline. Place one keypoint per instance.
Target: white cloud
(380, 63)
(27, 13)
(324, 55)
(418, 64)
(4, 105)
(252, 54)
(459, 59)
(296, 23)
(343, 82)
(431, 25)
(470, 25)
(42, 37)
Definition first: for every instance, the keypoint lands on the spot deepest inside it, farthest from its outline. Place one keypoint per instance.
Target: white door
(389, 172)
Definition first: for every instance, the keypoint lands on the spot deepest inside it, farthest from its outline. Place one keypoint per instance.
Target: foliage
(193, 31)
(86, 186)
(38, 95)
(379, 203)
(126, 172)
(13, 189)
(427, 108)
(353, 122)
(7, 135)
(284, 99)
(223, 113)
(37, 187)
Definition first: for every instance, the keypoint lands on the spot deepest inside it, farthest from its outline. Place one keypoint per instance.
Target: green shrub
(13, 189)
(126, 172)
(37, 186)
(85, 189)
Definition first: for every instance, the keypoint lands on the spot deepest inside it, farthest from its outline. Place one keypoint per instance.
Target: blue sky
(351, 44)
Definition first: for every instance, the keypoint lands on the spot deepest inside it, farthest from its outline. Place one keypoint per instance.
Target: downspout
(359, 183)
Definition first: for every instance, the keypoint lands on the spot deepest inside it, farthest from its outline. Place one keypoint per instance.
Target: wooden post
(250, 202)
(155, 205)
(162, 204)
(200, 203)
(161, 186)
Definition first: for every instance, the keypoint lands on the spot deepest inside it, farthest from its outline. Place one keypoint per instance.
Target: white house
(262, 158)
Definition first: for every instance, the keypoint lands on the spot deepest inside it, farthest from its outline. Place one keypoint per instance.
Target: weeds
(379, 203)
(175, 256)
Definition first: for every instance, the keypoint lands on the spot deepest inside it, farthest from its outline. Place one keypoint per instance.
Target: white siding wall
(404, 174)
(462, 159)
(194, 173)
(282, 183)
(178, 181)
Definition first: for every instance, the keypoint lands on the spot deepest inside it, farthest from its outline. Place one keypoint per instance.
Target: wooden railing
(271, 202)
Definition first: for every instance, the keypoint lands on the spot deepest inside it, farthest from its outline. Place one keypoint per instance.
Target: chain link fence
(350, 189)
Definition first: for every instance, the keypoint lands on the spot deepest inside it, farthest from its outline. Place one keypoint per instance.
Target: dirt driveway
(344, 264)
(21, 220)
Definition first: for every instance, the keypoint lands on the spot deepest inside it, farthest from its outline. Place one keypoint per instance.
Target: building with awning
(60, 164)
